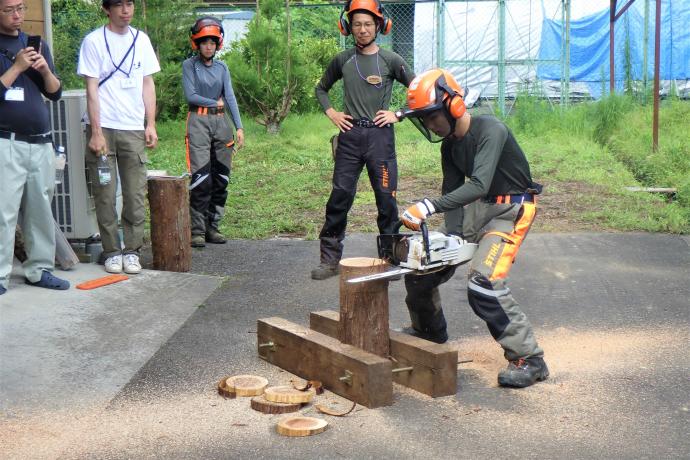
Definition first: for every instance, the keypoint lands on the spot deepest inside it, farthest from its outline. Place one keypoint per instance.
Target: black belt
(206, 110)
(505, 199)
(28, 138)
(364, 123)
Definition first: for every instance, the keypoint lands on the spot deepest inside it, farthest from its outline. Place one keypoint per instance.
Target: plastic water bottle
(60, 160)
(103, 170)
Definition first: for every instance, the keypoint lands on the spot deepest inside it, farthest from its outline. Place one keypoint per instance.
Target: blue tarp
(589, 45)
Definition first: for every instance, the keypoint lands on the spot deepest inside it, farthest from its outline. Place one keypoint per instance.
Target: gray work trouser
(499, 229)
(209, 159)
(27, 182)
(127, 156)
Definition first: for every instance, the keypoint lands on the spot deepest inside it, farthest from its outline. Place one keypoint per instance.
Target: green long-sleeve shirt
(487, 161)
(361, 98)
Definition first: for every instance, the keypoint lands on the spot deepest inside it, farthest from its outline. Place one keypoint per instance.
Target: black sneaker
(438, 337)
(213, 236)
(324, 271)
(198, 241)
(523, 372)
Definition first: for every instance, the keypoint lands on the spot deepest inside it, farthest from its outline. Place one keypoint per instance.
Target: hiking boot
(324, 271)
(114, 264)
(215, 237)
(436, 337)
(523, 372)
(131, 264)
(198, 241)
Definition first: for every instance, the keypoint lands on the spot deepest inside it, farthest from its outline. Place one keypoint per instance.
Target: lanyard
(118, 67)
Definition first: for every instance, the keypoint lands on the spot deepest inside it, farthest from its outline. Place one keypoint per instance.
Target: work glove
(413, 217)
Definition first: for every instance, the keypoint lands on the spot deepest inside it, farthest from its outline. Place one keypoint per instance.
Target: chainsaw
(419, 253)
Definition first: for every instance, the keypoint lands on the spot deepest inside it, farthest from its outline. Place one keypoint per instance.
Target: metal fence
(491, 46)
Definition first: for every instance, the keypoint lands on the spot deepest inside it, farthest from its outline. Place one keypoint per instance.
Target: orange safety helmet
(431, 91)
(205, 27)
(375, 7)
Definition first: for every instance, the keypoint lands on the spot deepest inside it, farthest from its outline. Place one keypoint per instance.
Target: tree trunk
(170, 224)
(364, 306)
(272, 127)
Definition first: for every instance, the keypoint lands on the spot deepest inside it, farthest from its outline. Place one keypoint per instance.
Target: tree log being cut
(364, 306)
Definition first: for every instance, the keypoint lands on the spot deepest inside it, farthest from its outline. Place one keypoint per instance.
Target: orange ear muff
(386, 26)
(343, 25)
(456, 105)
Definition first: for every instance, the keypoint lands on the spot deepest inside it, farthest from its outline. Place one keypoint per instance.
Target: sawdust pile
(585, 397)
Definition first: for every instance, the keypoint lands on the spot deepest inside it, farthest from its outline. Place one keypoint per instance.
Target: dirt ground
(560, 206)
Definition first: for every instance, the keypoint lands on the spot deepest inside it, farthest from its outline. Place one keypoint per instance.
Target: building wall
(35, 18)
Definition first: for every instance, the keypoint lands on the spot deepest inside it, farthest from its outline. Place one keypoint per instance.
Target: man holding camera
(27, 159)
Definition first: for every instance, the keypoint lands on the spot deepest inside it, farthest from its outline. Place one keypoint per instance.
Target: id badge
(15, 94)
(127, 83)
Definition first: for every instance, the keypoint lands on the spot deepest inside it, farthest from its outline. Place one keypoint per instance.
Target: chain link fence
(490, 46)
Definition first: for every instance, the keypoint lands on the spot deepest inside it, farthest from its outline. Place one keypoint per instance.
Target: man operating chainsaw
(489, 198)
(366, 133)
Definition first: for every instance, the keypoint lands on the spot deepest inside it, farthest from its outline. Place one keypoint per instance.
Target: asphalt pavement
(129, 371)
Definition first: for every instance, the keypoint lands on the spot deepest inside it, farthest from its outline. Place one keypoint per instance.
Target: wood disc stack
(289, 395)
(301, 426)
(261, 404)
(243, 385)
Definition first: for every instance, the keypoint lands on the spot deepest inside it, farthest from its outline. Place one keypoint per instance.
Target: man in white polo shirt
(117, 61)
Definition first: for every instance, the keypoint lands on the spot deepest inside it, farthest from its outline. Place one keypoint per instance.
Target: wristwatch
(399, 115)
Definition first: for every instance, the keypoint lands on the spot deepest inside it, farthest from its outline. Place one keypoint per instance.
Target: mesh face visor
(417, 118)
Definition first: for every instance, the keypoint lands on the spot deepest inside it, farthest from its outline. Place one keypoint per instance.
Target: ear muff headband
(385, 25)
(455, 105)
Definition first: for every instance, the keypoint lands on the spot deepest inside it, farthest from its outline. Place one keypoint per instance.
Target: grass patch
(280, 184)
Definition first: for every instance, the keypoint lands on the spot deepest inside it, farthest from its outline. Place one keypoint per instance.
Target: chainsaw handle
(425, 239)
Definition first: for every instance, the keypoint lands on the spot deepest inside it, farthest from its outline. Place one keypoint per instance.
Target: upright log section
(170, 224)
(364, 306)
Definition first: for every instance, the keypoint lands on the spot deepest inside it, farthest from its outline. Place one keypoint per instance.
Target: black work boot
(436, 337)
(213, 236)
(198, 241)
(324, 271)
(523, 372)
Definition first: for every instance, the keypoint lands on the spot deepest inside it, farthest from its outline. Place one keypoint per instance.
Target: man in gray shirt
(366, 126)
(209, 139)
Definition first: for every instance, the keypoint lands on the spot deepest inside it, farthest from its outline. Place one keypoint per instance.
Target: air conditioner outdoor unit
(73, 204)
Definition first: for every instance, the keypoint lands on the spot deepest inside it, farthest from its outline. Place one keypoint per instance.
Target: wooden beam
(435, 367)
(344, 369)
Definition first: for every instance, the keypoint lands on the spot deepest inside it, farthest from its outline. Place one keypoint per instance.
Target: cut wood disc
(223, 389)
(269, 407)
(299, 425)
(246, 385)
(287, 394)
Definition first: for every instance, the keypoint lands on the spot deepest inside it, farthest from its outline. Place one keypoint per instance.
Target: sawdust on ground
(588, 371)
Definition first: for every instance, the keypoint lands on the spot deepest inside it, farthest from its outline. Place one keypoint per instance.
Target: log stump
(364, 306)
(170, 224)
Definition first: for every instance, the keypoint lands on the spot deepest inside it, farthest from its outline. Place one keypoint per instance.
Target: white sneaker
(114, 264)
(132, 265)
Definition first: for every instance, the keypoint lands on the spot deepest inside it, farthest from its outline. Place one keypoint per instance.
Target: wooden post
(170, 224)
(364, 306)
